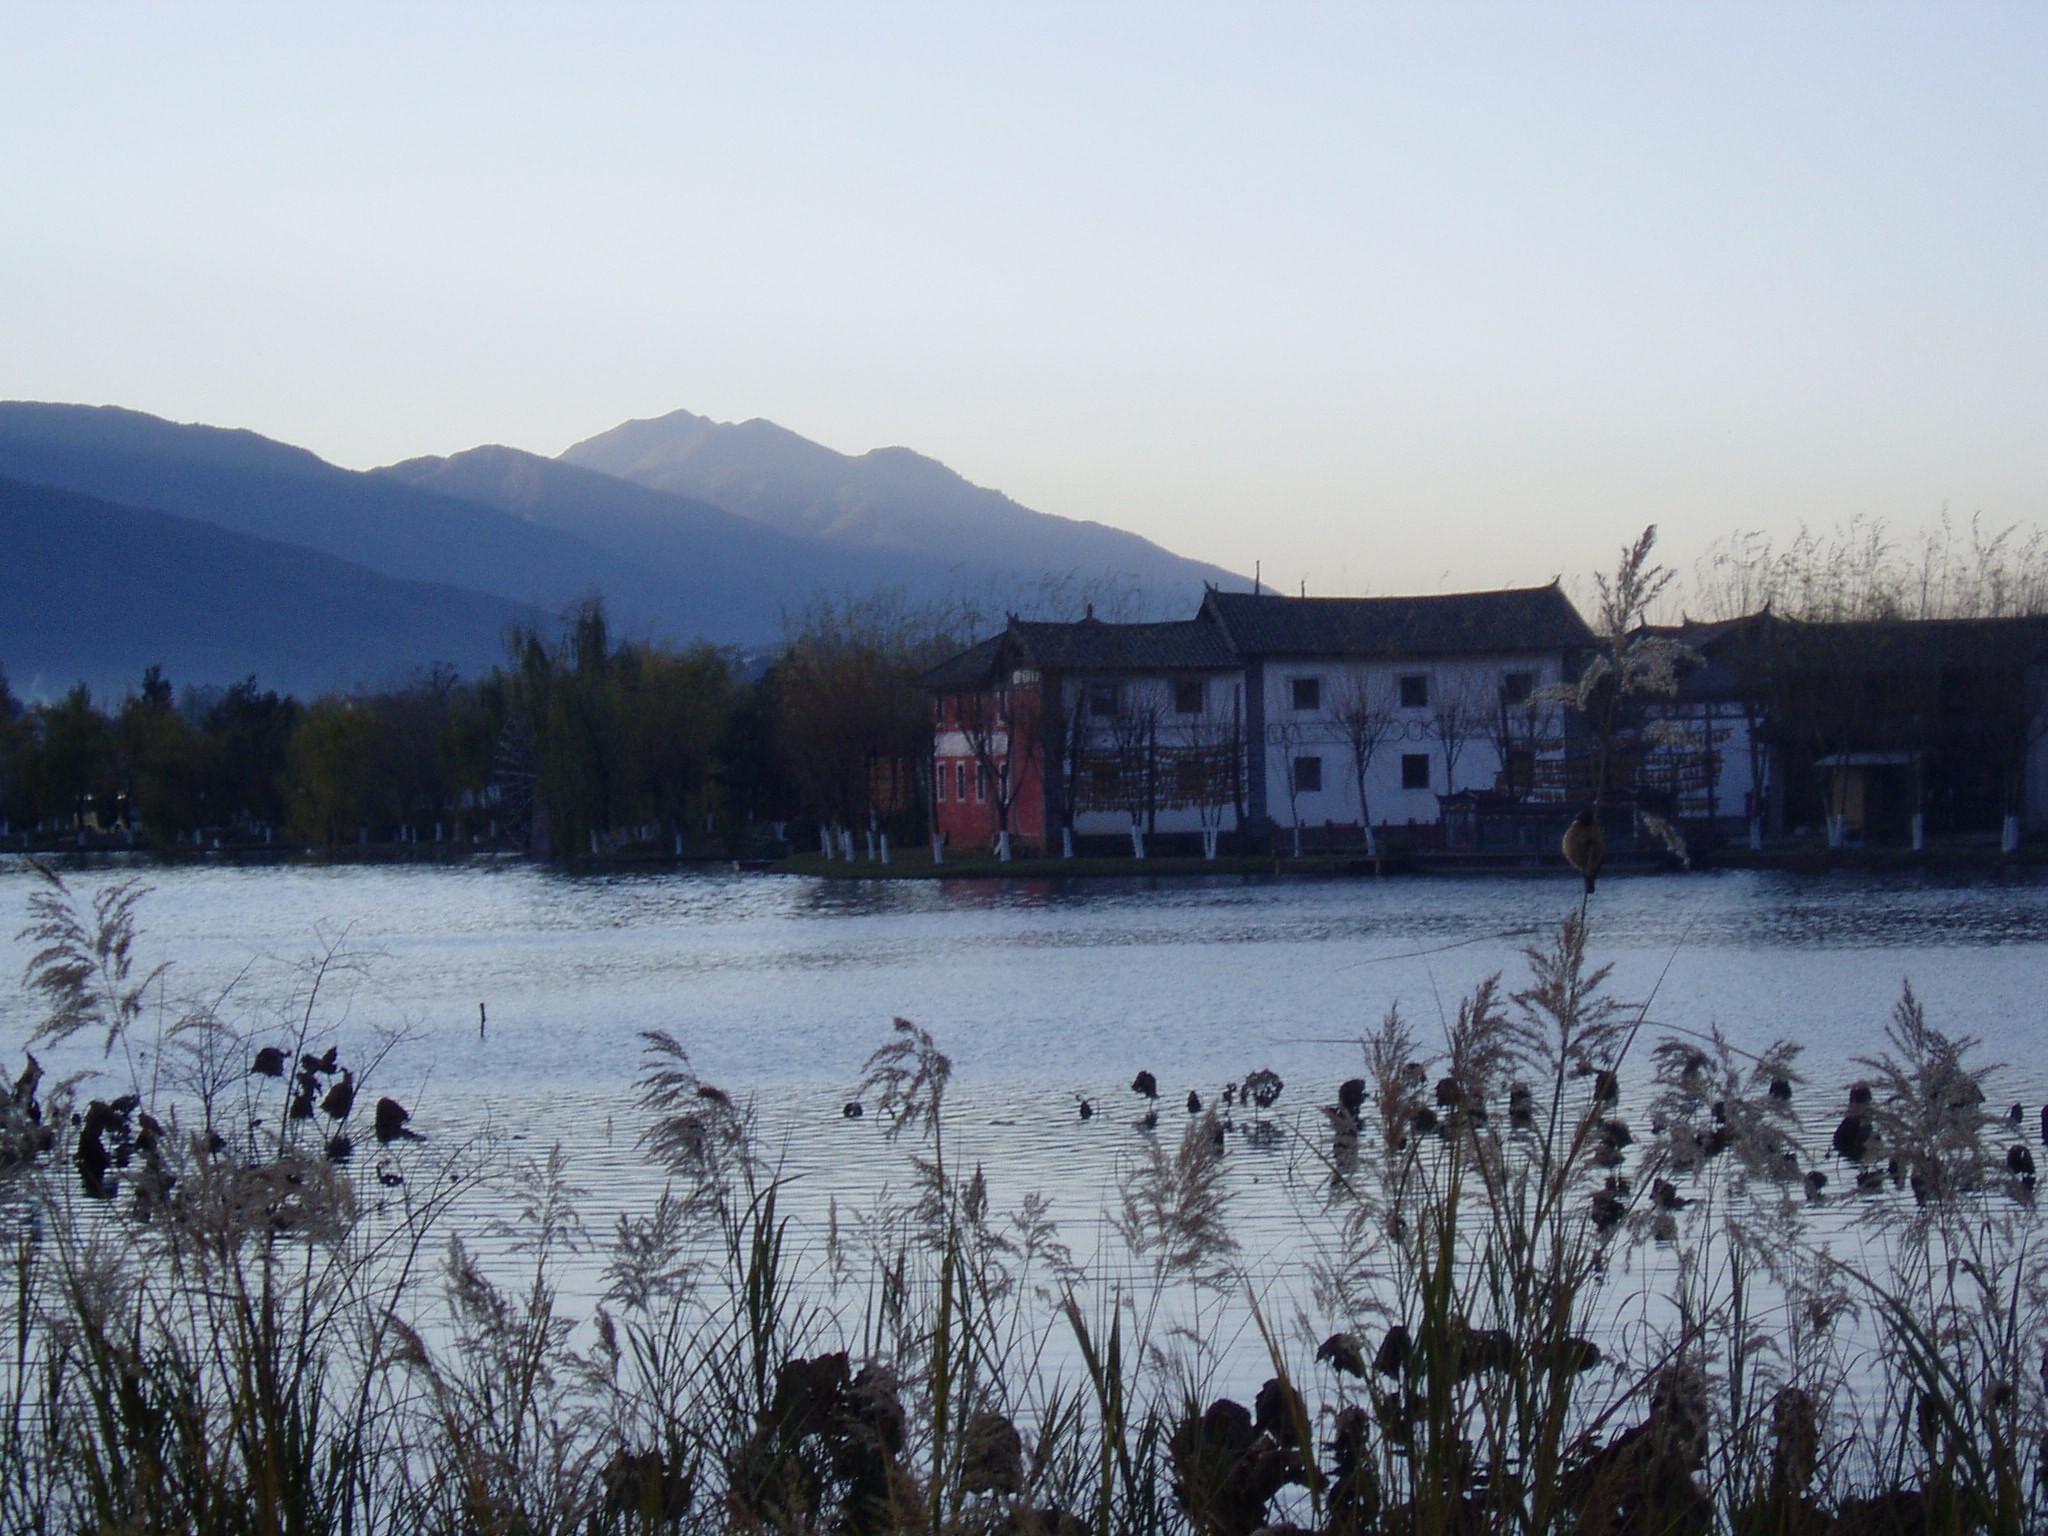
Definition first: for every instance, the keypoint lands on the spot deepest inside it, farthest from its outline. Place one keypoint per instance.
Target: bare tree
(1858, 570)
(1070, 730)
(1290, 736)
(1134, 744)
(1001, 728)
(1517, 726)
(1455, 717)
(1364, 711)
(1210, 771)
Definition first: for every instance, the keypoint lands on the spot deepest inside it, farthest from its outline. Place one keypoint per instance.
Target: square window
(1187, 696)
(1102, 699)
(1308, 775)
(1415, 690)
(1308, 693)
(1516, 687)
(1415, 770)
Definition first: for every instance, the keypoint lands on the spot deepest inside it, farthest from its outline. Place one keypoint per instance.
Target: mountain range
(237, 554)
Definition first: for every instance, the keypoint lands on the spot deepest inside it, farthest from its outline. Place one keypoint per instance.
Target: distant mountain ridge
(735, 577)
(94, 592)
(499, 531)
(891, 498)
(253, 485)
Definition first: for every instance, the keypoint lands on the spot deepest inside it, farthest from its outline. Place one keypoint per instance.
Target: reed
(1531, 1308)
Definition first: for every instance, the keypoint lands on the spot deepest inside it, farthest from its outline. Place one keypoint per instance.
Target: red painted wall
(970, 821)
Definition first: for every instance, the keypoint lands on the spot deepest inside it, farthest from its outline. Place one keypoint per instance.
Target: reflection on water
(1041, 991)
(775, 982)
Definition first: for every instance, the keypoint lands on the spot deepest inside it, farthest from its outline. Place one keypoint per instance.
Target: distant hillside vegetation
(94, 592)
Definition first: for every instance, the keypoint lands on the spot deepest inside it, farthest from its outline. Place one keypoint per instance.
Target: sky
(1381, 297)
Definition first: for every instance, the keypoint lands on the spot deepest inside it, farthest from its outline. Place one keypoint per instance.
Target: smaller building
(1876, 731)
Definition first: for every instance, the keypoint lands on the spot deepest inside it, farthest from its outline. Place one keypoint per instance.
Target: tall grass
(1529, 1307)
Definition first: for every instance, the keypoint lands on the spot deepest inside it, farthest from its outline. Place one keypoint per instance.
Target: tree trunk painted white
(1066, 842)
(938, 850)
(1003, 846)
(1137, 841)
(1372, 842)
(1919, 831)
(825, 841)
(1838, 830)
(679, 845)
(846, 844)
(1756, 834)
(2009, 837)
(1209, 836)
(871, 844)
(885, 847)
(1297, 839)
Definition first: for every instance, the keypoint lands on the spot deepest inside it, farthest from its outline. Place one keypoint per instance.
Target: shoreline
(916, 863)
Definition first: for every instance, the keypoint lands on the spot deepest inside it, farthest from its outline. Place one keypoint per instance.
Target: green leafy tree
(162, 760)
(331, 766)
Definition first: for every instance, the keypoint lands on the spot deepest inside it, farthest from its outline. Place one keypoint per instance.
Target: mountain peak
(892, 497)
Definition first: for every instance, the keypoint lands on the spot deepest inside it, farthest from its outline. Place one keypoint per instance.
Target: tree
(1363, 708)
(854, 731)
(1069, 727)
(331, 764)
(1210, 770)
(162, 760)
(1290, 736)
(246, 736)
(1858, 571)
(72, 762)
(1134, 745)
(1517, 728)
(1002, 729)
(1455, 717)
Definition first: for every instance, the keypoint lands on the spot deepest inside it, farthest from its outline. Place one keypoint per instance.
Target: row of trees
(579, 743)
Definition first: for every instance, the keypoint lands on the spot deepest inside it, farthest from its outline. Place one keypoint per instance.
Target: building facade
(1307, 716)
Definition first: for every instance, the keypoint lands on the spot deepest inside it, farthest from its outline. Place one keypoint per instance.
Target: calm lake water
(780, 986)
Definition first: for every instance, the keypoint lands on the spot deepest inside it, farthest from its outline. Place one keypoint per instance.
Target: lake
(1043, 993)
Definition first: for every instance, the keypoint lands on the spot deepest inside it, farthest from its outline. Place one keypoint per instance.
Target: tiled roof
(970, 669)
(1454, 623)
(1092, 645)
(1876, 644)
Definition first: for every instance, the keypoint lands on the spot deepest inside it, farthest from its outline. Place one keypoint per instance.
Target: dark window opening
(1516, 687)
(1187, 696)
(1415, 691)
(1102, 699)
(1308, 693)
(1415, 770)
(940, 779)
(1308, 774)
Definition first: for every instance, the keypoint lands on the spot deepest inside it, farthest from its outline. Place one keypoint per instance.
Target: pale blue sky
(1384, 296)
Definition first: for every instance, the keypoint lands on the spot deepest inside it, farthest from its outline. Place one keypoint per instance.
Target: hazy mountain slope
(248, 483)
(737, 575)
(890, 497)
(92, 591)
